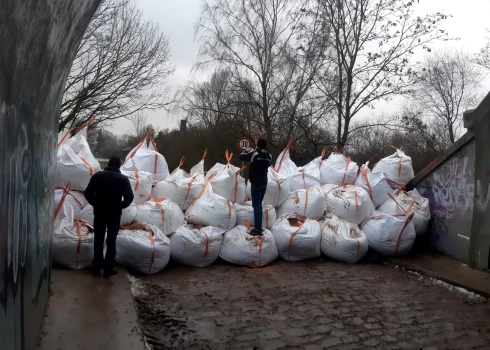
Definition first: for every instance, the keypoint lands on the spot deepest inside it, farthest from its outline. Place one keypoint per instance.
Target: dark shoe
(111, 272)
(96, 270)
(255, 232)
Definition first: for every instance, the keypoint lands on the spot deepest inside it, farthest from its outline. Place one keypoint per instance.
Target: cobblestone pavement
(311, 305)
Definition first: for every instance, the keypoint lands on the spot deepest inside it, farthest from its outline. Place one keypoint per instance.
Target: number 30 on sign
(244, 143)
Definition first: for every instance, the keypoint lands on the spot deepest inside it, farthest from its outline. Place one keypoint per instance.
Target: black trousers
(102, 223)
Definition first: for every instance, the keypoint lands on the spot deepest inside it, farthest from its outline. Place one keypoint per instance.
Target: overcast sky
(177, 18)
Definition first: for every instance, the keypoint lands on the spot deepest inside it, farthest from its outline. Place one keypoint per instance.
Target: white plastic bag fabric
(302, 181)
(74, 199)
(209, 209)
(376, 184)
(297, 238)
(128, 214)
(350, 203)
(218, 167)
(397, 168)
(144, 248)
(73, 243)
(245, 211)
(179, 189)
(337, 169)
(313, 167)
(229, 184)
(164, 214)
(240, 248)
(196, 246)
(284, 165)
(141, 183)
(146, 158)
(343, 240)
(75, 163)
(278, 188)
(411, 202)
(198, 169)
(310, 203)
(389, 235)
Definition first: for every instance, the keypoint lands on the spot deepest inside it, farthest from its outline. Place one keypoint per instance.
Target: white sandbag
(198, 169)
(145, 157)
(209, 209)
(350, 203)
(75, 167)
(73, 244)
(297, 238)
(376, 184)
(143, 248)
(284, 165)
(230, 185)
(278, 188)
(313, 167)
(141, 183)
(218, 167)
(411, 202)
(302, 181)
(74, 199)
(343, 240)
(245, 211)
(179, 188)
(196, 246)
(240, 248)
(337, 169)
(397, 168)
(389, 235)
(128, 214)
(164, 214)
(310, 203)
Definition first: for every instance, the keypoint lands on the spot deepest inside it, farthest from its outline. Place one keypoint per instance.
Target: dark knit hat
(262, 143)
(114, 162)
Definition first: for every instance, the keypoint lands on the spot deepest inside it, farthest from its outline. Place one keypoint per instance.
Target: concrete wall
(38, 42)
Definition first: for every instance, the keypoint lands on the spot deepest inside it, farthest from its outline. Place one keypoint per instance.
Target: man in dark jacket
(260, 160)
(109, 192)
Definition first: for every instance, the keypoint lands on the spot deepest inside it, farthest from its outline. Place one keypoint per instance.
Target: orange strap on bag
(229, 212)
(277, 180)
(137, 179)
(189, 189)
(346, 169)
(288, 146)
(203, 189)
(394, 200)
(401, 232)
(62, 200)
(87, 164)
(236, 182)
(79, 234)
(68, 132)
(135, 150)
(364, 175)
(159, 205)
(357, 202)
(152, 241)
(205, 154)
(369, 219)
(290, 245)
(207, 244)
(306, 201)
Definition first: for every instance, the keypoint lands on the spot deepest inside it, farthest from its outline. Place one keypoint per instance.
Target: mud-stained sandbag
(343, 240)
(63, 196)
(397, 168)
(376, 184)
(145, 157)
(338, 169)
(210, 209)
(278, 188)
(128, 214)
(240, 248)
(164, 214)
(73, 243)
(141, 183)
(297, 237)
(302, 181)
(350, 203)
(408, 203)
(245, 211)
(195, 245)
(180, 188)
(310, 203)
(143, 248)
(284, 165)
(389, 235)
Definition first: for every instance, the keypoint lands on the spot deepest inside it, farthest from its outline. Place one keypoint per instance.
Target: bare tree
(449, 85)
(483, 57)
(369, 56)
(121, 67)
(139, 124)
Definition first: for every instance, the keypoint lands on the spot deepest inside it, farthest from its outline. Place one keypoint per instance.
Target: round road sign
(244, 143)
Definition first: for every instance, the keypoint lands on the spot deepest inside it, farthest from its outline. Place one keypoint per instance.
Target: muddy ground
(306, 305)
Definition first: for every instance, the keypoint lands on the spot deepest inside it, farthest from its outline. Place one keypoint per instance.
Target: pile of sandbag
(65, 197)
(241, 248)
(141, 183)
(162, 213)
(343, 240)
(210, 209)
(397, 168)
(128, 214)
(245, 212)
(350, 203)
(227, 182)
(145, 157)
(310, 203)
(338, 169)
(143, 248)
(390, 235)
(297, 237)
(196, 246)
(376, 184)
(409, 203)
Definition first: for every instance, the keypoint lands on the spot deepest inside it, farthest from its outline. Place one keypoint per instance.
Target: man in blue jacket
(260, 160)
(109, 192)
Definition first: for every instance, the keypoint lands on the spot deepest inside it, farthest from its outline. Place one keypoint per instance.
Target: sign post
(243, 144)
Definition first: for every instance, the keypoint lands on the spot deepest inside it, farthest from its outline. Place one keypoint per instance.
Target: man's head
(262, 143)
(114, 162)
